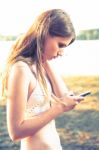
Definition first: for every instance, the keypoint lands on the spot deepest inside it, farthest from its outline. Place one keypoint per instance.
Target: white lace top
(38, 102)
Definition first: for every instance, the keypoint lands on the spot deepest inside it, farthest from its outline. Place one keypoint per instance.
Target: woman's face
(54, 47)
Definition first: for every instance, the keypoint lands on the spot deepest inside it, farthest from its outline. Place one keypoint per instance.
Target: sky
(16, 16)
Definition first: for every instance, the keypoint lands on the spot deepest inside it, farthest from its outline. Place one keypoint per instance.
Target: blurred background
(78, 129)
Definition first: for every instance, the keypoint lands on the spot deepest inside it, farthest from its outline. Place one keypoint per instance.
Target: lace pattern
(38, 102)
(38, 107)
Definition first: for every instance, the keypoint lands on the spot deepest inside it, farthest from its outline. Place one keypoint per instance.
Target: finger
(76, 102)
(81, 99)
(71, 93)
(77, 98)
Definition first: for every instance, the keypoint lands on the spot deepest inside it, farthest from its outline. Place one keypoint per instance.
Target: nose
(60, 53)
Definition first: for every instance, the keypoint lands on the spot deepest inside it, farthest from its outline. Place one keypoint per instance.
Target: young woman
(36, 95)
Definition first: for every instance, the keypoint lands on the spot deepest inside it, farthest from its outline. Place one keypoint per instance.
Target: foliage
(7, 38)
(92, 34)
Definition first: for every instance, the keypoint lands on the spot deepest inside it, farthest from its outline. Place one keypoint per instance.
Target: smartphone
(85, 93)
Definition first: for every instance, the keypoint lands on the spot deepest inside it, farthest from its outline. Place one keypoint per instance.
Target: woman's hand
(71, 101)
(68, 102)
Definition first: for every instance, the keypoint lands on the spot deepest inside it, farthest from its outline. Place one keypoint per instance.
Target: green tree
(92, 34)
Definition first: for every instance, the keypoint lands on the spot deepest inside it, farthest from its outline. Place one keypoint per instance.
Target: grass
(79, 128)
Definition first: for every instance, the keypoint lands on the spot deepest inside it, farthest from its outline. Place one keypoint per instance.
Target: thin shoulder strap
(33, 71)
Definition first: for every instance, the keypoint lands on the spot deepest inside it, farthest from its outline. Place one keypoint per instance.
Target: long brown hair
(54, 22)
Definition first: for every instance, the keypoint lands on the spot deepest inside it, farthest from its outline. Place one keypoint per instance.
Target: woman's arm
(58, 84)
(18, 87)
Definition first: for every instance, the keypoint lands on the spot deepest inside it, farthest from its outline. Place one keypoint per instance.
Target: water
(82, 58)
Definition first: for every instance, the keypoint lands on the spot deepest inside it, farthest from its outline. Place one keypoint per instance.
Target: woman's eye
(60, 45)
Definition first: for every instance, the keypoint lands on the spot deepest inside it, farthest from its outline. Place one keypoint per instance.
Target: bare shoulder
(21, 72)
(20, 69)
(20, 66)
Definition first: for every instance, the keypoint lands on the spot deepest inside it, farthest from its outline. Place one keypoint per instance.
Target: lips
(52, 57)
(55, 57)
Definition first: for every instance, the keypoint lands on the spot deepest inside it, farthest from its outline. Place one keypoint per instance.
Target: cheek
(48, 50)
(52, 49)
